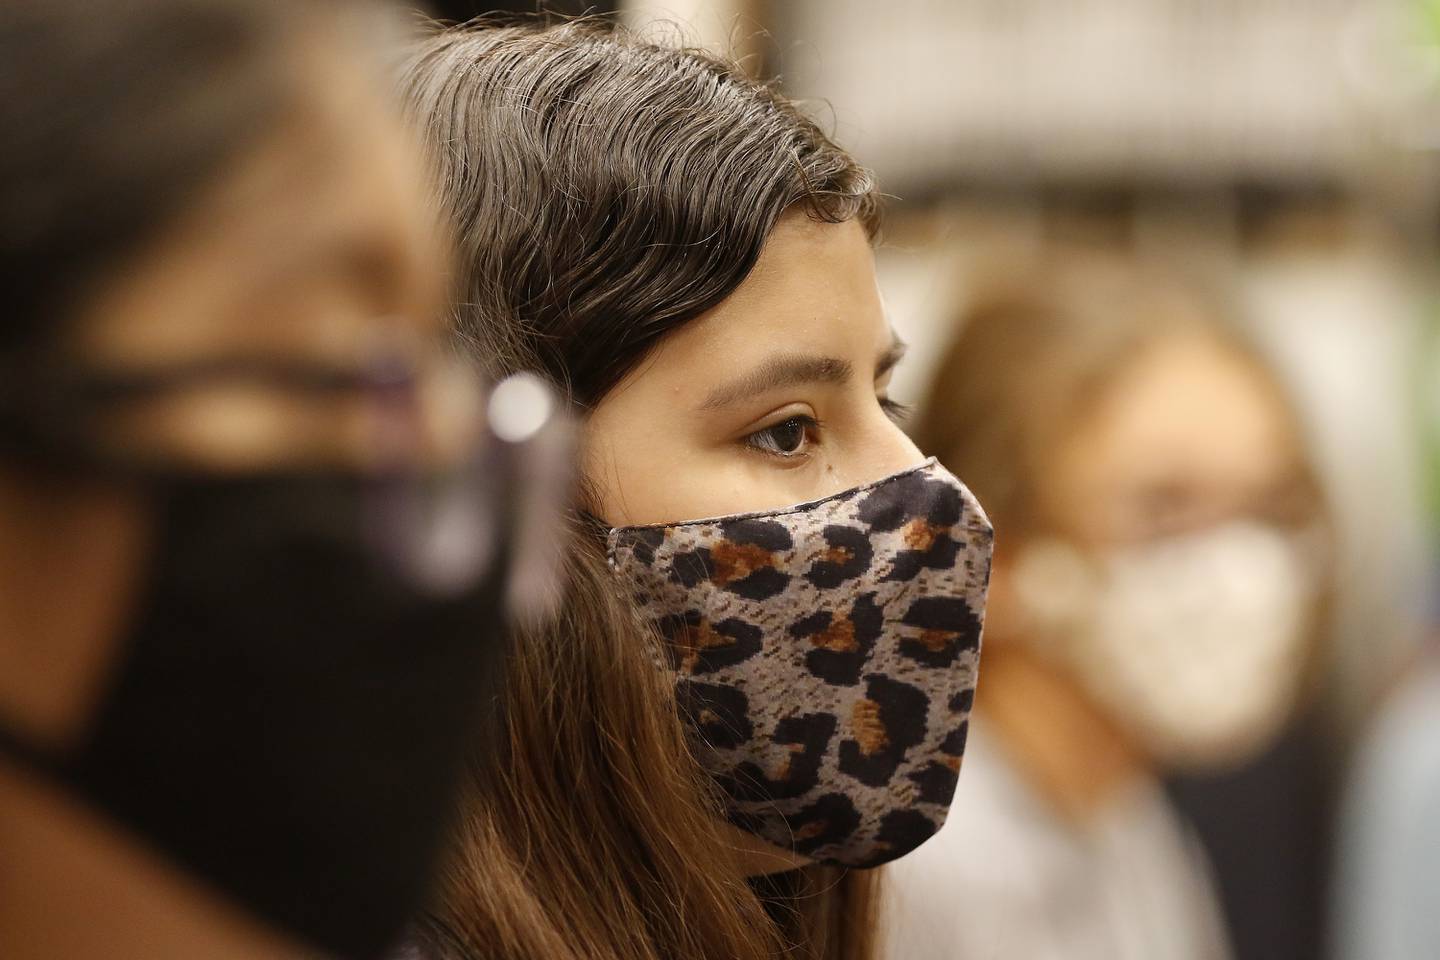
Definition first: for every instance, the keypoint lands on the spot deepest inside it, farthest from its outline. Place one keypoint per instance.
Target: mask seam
(802, 507)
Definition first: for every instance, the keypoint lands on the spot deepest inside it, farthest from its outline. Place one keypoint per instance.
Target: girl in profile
(758, 692)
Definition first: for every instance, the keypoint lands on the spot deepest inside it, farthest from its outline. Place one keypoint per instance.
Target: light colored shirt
(1388, 883)
(1008, 878)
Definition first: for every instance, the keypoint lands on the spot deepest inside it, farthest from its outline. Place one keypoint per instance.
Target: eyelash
(897, 412)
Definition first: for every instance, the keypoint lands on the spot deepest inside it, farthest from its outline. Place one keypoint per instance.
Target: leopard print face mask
(825, 656)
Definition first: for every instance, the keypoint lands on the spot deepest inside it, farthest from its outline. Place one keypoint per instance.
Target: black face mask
(308, 654)
(288, 711)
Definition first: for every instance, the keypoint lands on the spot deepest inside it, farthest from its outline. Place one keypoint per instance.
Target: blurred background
(1285, 152)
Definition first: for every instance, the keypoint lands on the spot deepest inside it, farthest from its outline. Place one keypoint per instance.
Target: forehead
(324, 213)
(1186, 409)
(813, 290)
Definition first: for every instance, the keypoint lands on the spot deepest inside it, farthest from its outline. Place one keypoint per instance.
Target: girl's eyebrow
(792, 369)
(782, 370)
(892, 355)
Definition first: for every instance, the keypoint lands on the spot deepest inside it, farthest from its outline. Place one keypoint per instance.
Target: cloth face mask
(825, 656)
(1195, 644)
(288, 714)
(310, 653)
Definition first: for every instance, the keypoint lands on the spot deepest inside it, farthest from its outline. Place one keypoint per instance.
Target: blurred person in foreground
(236, 669)
(1156, 582)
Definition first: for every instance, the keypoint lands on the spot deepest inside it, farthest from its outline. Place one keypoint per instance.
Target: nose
(885, 450)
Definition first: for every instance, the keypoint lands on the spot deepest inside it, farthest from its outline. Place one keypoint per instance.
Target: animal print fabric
(825, 656)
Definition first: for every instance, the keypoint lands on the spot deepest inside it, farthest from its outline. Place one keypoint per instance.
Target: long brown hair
(606, 191)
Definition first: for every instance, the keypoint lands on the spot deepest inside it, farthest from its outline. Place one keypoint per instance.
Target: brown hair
(1032, 353)
(605, 192)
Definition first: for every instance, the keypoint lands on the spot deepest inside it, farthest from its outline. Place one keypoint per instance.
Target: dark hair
(116, 114)
(607, 190)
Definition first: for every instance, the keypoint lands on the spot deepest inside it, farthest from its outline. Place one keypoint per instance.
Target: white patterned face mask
(1194, 644)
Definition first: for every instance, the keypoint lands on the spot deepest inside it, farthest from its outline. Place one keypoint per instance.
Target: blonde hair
(1033, 352)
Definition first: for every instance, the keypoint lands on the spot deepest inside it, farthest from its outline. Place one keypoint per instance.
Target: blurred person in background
(1158, 575)
(1387, 883)
(685, 254)
(1386, 895)
(236, 668)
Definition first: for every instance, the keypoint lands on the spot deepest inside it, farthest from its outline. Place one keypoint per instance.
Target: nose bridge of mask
(826, 655)
(1237, 566)
(1058, 583)
(616, 534)
(907, 520)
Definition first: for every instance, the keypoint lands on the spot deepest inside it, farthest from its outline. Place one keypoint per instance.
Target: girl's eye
(788, 438)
